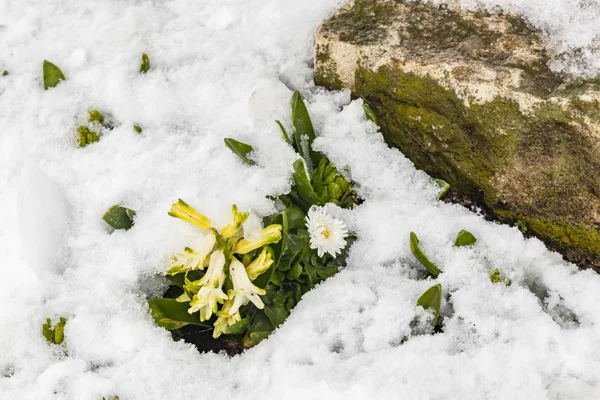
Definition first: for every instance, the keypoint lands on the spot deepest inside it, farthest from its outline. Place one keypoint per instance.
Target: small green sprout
(137, 128)
(96, 116)
(432, 299)
(522, 226)
(119, 217)
(497, 277)
(464, 238)
(4, 73)
(52, 75)
(56, 335)
(145, 64)
(419, 255)
(85, 136)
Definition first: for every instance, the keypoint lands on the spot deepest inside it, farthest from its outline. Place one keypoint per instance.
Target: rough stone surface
(468, 97)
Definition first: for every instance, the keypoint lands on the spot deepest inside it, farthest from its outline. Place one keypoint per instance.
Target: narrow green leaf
(145, 64)
(137, 128)
(47, 331)
(238, 328)
(286, 137)
(59, 331)
(119, 217)
(171, 314)
(369, 114)
(432, 299)
(52, 75)
(303, 127)
(414, 247)
(464, 238)
(278, 249)
(444, 186)
(240, 149)
(303, 186)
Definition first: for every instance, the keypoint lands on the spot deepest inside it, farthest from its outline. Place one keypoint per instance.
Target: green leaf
(444, 186)
(96, 116)
(119, 217)
(414, 247)
(296, 218)
(286, 137)
(369, 114)
(145, 66)
(52, 75)
(238, 328)
(171, 314)
(59, 331)
(240, 149)
(303, 127)
(432, 299)
(255, 338)
(278, 249)
(306, 193)
(85, 136)
(47, 331)
(137, 128)
(260, 328)
(277, 314)
(4, 73)
(464, 238)
(295, 272)
(497, 277)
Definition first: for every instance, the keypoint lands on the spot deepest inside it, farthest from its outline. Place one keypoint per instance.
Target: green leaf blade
(444, 186)
(240, 149)
(52, 75)
(303, 127)
(432, 299)
(421, 257)
(464, 238)
(286, 137)
(369, 114)
(303, 187)
(170, 314)
(119, 217)
(145, 66)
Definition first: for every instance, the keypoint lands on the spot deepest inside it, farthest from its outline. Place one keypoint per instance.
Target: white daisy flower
(327, 233)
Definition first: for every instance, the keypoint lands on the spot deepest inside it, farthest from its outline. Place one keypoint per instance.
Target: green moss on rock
(537, 166)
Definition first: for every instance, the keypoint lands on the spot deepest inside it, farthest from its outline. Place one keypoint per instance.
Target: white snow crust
(227, 69)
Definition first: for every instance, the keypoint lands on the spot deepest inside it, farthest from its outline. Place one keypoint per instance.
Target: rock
(469, 98)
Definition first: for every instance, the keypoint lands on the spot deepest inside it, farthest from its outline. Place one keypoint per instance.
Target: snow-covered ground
(227, 69)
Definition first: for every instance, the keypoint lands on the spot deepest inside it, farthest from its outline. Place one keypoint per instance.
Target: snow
(227, 69)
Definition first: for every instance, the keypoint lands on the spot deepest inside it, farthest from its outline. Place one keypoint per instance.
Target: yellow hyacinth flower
(184, 211)
(225, 319)
(270, 234)
(211, 292)
(238, 220)
(193, 257)
(243, 290)
(260, 264)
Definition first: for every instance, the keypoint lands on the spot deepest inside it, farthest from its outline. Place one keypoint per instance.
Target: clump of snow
(227, 69)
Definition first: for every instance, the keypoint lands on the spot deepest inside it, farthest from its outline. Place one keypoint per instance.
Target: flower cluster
(230, 268)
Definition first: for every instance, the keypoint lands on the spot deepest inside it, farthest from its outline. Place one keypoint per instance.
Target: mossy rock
(469, 98)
